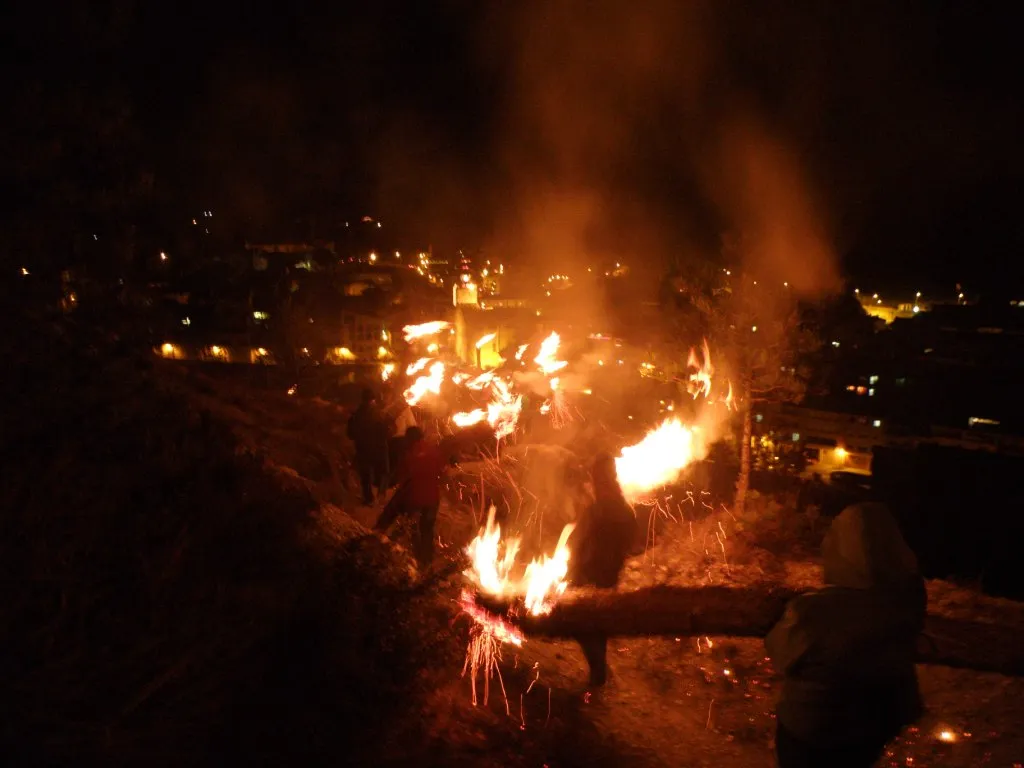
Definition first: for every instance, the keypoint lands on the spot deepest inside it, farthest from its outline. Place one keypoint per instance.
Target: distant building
(831, 440)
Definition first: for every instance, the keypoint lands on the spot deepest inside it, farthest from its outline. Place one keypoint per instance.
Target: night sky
(889, 132)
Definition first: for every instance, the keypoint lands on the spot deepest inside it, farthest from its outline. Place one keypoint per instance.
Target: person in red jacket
(419, 491)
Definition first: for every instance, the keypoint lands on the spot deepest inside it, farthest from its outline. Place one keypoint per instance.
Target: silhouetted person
(418, 493)
(847, 651)
(368, 430)
(402, 418)
(600, 544)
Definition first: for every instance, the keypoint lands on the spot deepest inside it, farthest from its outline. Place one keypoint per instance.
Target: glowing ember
(486, 636)
(656, 460)
(502, 630)
(700, 380)
(485, 339)
(431, 383)
(545, 359)
(947, 736)
(469, 418)
(418, 366)
(503, 411)
(432, 328)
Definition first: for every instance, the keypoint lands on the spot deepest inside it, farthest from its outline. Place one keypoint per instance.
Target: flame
(480, 381)
(492, 561)
(418, 366)
(521, 351)
(701, 379)
(469, 418)
(386, 371)
(503, 411)
(491, 558)
(546, 577)
(656, 460)
(432, 328)
(729, 403)
(431, 383)
(545, 359)
(485, 339)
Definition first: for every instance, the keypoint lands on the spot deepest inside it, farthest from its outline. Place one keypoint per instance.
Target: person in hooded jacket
(600, 544)
(847, 651)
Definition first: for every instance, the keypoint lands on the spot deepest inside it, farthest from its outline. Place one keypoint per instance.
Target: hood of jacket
(864, 549)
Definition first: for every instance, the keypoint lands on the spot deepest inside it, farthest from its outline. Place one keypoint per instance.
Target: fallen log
(745, 612)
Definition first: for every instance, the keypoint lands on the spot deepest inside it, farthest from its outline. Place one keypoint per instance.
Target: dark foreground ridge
(169, 599)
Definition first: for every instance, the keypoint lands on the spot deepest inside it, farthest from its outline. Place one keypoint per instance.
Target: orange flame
(729, 403)
(486, 338)
(418, 366)
(469, 418)
(481, 381)
(431, 383)
(492, 561)
(701, 379)
(546, 357)
(656, 460)
(520, 351)
(503, 411)
(432, 328)
(546, 577)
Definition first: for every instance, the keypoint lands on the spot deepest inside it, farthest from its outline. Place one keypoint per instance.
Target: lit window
(873, 380)
(871, 392)
(876, 423)
(796, 437)
(759, 418)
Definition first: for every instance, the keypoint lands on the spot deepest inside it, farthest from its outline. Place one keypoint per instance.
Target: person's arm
(789, 640)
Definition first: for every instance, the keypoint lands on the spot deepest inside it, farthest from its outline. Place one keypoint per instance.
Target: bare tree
(755, 325)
